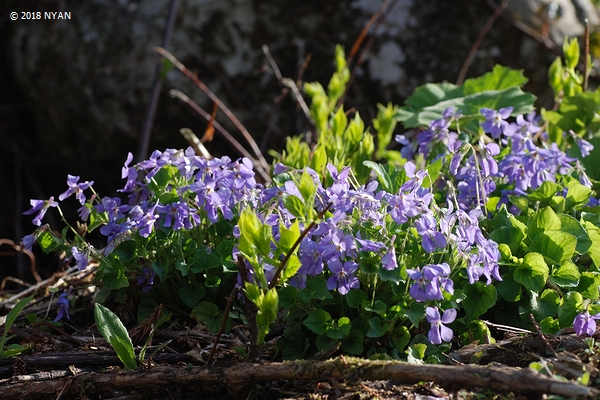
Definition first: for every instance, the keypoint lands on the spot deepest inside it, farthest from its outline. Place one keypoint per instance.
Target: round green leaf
(556, 246)
(533, 272)
(566, 275)
(479, 298)
(318, 321)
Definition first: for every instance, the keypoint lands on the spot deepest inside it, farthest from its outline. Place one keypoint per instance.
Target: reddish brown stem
(486, 29)
(263, 163)
(223, 324)
(294, 246)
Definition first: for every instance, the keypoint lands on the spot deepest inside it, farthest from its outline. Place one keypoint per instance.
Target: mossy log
(239, 378)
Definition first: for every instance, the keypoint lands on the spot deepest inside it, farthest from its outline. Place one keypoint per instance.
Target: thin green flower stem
(405, 237)
(374, 286)
(479, 179)
(283, 262)
(88, 246)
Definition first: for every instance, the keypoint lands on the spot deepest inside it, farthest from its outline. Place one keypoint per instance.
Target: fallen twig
(37, 286)
(290, 83)
(245, 375)
(518, 350)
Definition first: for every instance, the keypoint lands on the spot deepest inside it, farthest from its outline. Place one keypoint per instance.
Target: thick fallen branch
(243, 376)
(84, 359)
(518, 351)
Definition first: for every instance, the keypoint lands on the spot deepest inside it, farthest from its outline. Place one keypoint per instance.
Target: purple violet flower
(63, 305)
(342, 276)
(430, 281)
(432, 239)
(585, 147)
(28, 241)
(389, 261)
(146, 280)
(76, 188)
(176, 215)
(585, 323)
(495, 123)
(415, 177)
(81, 258)
(129, 173)
(40, 206)
(439, 332)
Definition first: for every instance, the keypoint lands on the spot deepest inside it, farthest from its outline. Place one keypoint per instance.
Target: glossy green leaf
(556, 246)
(377, 327)
(550, 325)
(340, 328)
(544, 305)
(316, 289)
(288, 297)
(416, 353)
(508, 289)
(401, 337)
(354, 343)
(568, 310)
(571, 52)
(594, 236)
(479, 331)
(379, 307)
(288, 236)
(318, 321)
(543, 220)
(191, 296)
(48, 241)
(295, 206)
(205, 261)
(205, 311)
(565, 275)
(415, 313)
(577, 194)
(499, 78)
(545, 192)
(355, 297)
(479, 299)
(413, 117)
(533, 272)
(292, 266)
(113, 330)
(589, 284)
(307, 187)
(10, 320)
(572, 226)
(324, 342)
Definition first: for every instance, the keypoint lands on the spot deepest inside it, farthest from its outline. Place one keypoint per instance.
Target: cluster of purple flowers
(526, 167)
(177, 190)
(198, 188)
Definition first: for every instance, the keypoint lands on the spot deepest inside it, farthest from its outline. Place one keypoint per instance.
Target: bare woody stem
(294, 246)
(263, 163)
